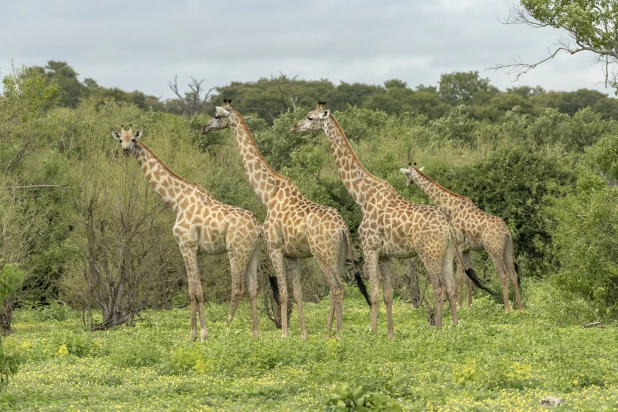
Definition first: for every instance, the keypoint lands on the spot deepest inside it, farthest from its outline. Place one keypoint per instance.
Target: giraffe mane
(345, 141)
(265, 163)
(444, 189)
(197, 186)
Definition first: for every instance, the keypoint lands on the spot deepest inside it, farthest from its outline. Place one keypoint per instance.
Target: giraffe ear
(405, 171)
(137, 134)
(221, 111)
(116, 135)
(325, 114)
(421, 168)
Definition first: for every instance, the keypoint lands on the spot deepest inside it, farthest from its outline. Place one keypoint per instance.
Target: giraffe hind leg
(387, 285)
(294, 268)
(509, 259)
(252, 285)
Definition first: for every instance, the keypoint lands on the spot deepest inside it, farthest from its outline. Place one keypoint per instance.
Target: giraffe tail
(274, 285)
(355, 264)
(479, 284)
(469, 271)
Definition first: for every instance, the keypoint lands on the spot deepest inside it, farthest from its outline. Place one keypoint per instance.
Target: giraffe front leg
(277, 259)
(385, 269)
(189, 254)
(371, 266)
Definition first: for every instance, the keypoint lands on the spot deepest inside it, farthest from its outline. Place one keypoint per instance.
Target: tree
(66, 78)
(465, 88)
(591, 26)
(196, 100)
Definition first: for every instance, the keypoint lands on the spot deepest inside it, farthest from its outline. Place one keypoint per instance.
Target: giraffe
(391, 227)
(295, 227)
(203, 224)
(475, 230)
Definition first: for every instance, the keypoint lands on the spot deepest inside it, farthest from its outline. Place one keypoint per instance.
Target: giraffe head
(221, 119)
(313, 121)
(410, 172)
(127, 138)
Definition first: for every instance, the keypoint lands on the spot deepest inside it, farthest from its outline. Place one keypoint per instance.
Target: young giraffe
(202, 224)
(294, 227)
(391, 226)
(475, 230)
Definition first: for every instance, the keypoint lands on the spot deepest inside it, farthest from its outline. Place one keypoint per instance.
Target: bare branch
(174, 88)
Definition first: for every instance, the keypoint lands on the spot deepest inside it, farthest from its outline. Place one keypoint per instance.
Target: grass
(492, 361)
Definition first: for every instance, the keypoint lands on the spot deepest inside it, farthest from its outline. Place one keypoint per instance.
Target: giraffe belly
(296, 250)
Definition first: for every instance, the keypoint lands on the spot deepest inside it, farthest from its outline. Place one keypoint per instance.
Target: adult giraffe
(392, 227)
(202, 224)
(475, 230)
(295, 227)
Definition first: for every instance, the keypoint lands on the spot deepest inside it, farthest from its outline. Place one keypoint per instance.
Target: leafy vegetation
(492, 361)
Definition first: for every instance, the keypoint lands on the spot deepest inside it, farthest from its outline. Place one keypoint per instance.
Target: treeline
(265, 99)
(86, 229)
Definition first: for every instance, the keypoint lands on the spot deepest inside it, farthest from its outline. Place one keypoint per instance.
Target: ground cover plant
(491, 361)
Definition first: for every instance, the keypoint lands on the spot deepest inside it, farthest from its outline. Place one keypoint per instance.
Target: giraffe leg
(238, 266)
(276, 257)
(294, 268)
(498, 260)
(385, 269)
(252, 285)
(460, 278)
(467, 262)
(330, 266)
(509, 259)
(371, 266)
(434, 272)
(447, 278)
(196, 296)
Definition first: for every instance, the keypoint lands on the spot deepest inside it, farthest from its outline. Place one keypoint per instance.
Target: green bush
(585, 244)
(515, 184)
(343, 397)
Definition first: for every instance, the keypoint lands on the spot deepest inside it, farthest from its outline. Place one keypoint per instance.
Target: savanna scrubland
(85, 239)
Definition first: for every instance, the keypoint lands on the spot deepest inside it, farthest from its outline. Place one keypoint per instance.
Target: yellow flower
(62, 351)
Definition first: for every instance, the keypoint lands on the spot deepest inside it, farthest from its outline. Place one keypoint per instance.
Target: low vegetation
(491, 361)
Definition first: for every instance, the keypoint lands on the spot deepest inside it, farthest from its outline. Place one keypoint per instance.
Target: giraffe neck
(263, 179)
(355, 177)
(439, 195)
(165, 182)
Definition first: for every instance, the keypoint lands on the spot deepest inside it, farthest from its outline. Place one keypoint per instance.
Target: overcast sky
(142, 44)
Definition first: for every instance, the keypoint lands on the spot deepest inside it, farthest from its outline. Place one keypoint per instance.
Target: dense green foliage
(518, 154)
(492, 361)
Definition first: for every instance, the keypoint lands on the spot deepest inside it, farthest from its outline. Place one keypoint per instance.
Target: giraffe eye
(309, 118)
(216, 116)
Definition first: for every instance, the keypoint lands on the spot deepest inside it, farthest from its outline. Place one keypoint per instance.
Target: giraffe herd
(295, 228)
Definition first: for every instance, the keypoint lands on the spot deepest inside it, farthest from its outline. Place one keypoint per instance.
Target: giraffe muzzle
(126, 152)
